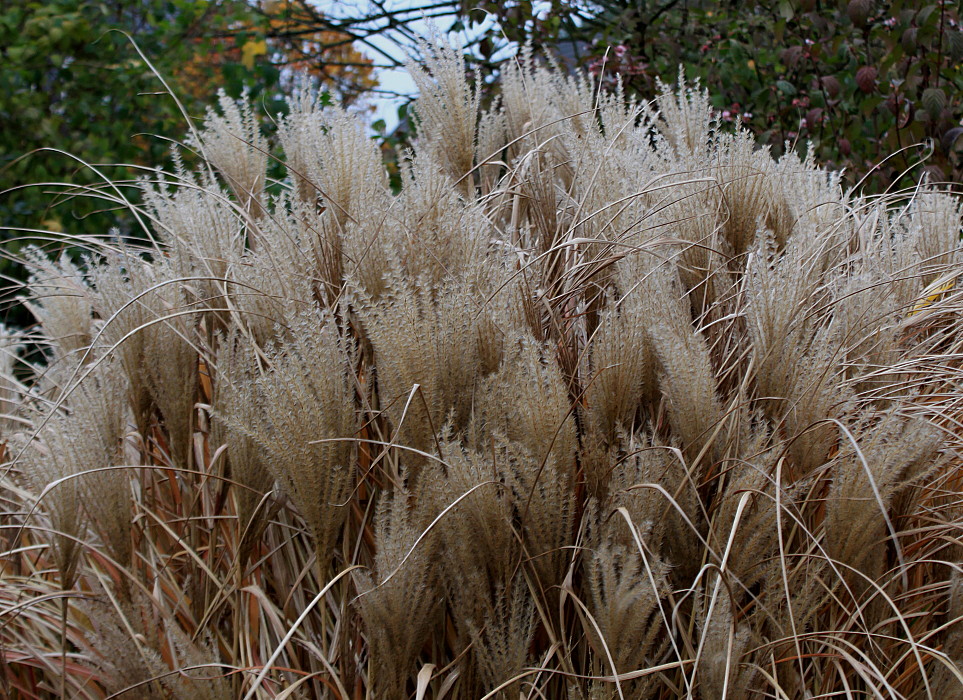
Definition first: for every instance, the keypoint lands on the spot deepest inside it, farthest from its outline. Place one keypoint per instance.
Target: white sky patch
(397, 81)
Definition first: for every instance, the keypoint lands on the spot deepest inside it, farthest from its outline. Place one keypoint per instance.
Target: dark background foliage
(860, 79)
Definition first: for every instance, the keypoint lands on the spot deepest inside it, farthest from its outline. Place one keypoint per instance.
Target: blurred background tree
(860, 79)
(70, 83)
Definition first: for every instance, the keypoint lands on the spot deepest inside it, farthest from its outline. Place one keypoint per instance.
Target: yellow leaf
(751, 64)
(252, 49)
(932, 293)
(53, 225)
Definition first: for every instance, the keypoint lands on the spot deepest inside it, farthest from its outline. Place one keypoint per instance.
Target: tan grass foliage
(605, 403)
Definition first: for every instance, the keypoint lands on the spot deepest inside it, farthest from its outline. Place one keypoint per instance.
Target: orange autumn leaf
(287, 39)
(250, 50)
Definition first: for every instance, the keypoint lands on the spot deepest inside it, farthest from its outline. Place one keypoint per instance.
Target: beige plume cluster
(605, 402)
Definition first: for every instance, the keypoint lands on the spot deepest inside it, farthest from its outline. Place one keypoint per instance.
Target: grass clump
(606, 403)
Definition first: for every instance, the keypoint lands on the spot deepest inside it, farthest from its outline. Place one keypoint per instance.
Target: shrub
(607, 402)
(861, 80)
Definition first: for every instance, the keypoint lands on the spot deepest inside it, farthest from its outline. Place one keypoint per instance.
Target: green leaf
(779, 30)
(786, 88)
(869, 105)
(954, 41)
(925, 14)
(934, 101)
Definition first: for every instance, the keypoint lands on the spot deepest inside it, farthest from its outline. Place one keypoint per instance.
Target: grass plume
(606, 402)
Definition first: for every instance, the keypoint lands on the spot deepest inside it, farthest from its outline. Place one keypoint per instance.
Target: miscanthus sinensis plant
(605, 403)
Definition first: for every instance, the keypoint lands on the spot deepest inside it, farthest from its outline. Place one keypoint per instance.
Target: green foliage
(70, 82)
(856, 79)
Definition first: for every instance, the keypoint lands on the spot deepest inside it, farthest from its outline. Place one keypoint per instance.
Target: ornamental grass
(605, 402)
